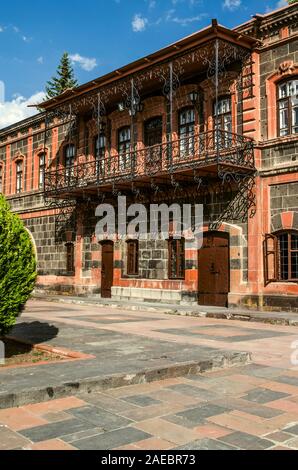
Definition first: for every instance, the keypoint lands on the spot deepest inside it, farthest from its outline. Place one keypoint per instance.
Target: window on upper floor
(281, 257)
(69, 155)
(186, 131)
(124, 139)
(223, 121)
(133, 257)
(1, 179)
(19, 176)
(176, 258)
(99, 152)
(41, 169)
(287, 106)
(69, 159)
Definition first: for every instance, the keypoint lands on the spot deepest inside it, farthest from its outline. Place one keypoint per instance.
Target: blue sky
(100, 35)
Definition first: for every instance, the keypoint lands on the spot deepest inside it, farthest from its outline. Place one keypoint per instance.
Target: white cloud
(282, 3)
(232, 4)
(17, 109)
(1, 29)
(183, 21)
(86, 63)
(40, 60)
(139, 23)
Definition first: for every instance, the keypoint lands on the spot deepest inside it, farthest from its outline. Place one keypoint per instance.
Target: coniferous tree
(17, 267)
(64, 80)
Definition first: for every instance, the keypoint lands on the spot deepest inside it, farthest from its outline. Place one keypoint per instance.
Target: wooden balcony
(206, 154)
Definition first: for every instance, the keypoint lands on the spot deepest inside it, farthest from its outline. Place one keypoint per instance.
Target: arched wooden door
(214, 270)
(107, 269)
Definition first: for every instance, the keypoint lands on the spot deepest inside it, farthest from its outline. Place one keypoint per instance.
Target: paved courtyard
(248, 406)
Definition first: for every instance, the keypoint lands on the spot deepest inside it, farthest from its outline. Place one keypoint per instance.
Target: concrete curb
(229, 315)
(37, 395)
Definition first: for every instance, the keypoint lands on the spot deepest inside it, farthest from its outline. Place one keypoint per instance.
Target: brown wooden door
(152, 140)
(107, 269)
(214, 271)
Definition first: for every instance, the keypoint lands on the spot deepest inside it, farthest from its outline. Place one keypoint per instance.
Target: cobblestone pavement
(254, 406)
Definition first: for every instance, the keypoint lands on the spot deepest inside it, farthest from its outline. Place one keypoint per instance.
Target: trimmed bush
(17, 267)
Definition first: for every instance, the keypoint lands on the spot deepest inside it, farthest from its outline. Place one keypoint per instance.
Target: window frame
(125, 152)
(41, 170)
(70, 258)
(69, 157)
(134, 246)
(274, 251)
(290, 108)
(100, 152)
(19, 176)
(222, 115)
(186, 139)
(179, 271)
(289, 234)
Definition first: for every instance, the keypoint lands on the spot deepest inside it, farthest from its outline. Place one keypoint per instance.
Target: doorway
(214, 270)
(107, 271)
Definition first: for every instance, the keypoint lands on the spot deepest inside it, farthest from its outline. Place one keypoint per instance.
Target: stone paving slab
(225, 409)
(120, 358)
(98, 421)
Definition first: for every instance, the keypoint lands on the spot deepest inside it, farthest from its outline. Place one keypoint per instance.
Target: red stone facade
(256, 263)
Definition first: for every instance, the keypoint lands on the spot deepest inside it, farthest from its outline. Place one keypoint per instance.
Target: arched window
(287, 105)
(41, 169)
(186, 131)
(124, 139)
(281, 256)
(1, 179)
(132, 257)
(19, 176)
(176, 258)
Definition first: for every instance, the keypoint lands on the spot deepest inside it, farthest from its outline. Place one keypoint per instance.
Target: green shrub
(17, 267)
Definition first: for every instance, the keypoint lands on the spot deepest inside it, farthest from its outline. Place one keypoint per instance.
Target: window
(281, 257)
(186, 131)
(176, 258)
(19, 176)
(153, 141)
(1, 179)
(124, 147)
(69, 154)
(223, 121)
(70, 268)
(288, 108)
(133, 257)
(100, 148)
(42, 167)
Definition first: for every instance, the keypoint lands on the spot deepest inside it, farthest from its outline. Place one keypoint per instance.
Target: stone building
(212, 119)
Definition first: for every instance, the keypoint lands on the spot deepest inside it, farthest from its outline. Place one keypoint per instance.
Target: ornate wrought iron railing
(190, 152)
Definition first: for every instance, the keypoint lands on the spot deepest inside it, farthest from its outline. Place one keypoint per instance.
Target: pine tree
(17, 267)
(64, 80)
